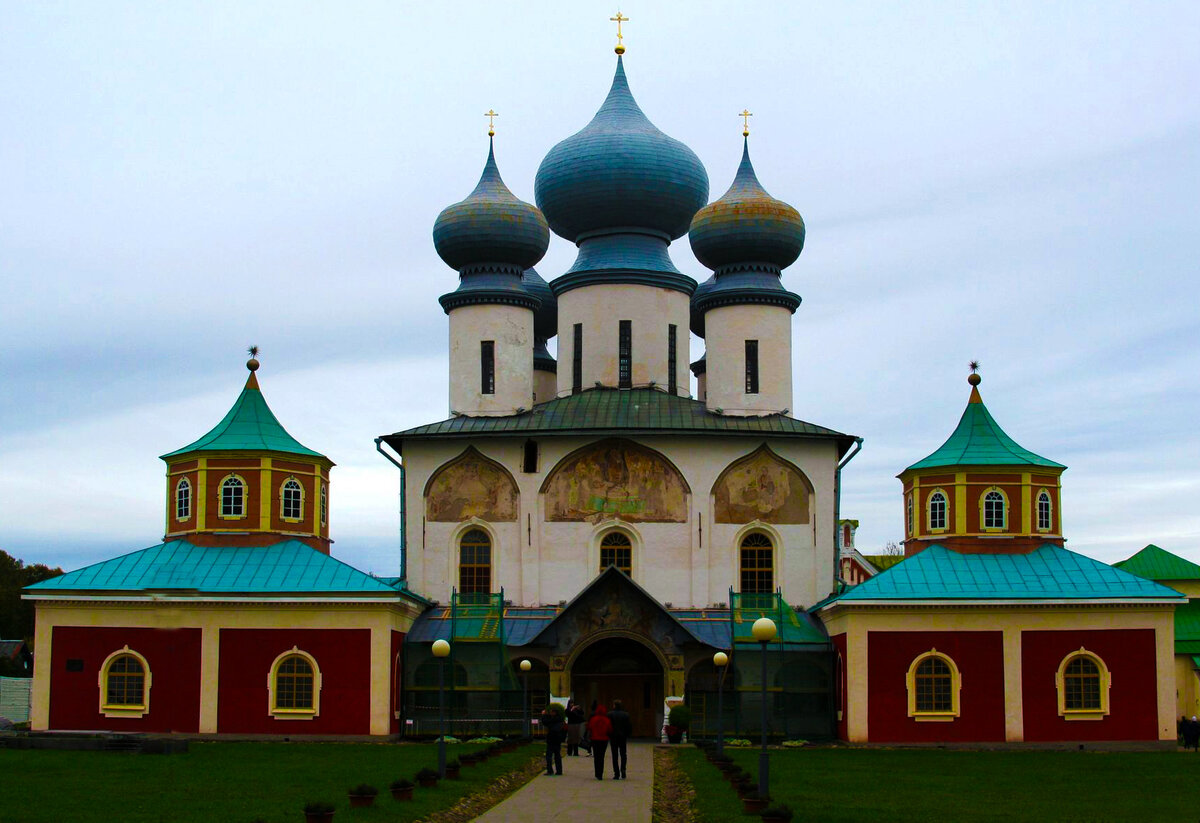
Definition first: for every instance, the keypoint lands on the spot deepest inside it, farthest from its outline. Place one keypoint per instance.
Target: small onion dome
(545, 319)
(697, 319)
(747, 225)
(620, 172)
(492, 225)
(700, 366)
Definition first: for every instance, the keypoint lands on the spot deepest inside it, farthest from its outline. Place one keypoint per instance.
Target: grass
(836, 784)
(235, 782)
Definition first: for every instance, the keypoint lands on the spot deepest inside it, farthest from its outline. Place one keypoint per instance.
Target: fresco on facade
(762, 487)
(616, 478)
(471, 486)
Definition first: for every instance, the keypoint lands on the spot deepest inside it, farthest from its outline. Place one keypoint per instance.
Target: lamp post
(764, 631)
(441, 650)
(720, 660)
(525, 667)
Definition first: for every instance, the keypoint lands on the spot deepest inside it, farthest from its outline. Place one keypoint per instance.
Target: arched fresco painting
(616, 478)
(762, 486)
(469, 486)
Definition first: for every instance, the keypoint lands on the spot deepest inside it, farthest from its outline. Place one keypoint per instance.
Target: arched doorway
(618, 668)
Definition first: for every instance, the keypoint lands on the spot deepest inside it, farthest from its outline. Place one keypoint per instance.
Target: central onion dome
(545, 319)
(620, 174)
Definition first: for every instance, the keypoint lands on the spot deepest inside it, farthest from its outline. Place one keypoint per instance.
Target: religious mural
(762, 486)
(616, 478)
(469, 486)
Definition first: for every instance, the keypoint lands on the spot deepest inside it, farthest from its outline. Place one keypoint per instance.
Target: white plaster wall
(726, 330)
(545, 384)
(600, 309)
(702, 386)
(511, 327)
(690, 564)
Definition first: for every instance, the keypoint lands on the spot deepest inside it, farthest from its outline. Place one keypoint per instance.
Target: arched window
(291, 499)
(908, 514)
(294, 684)
(183, 499)
(233, 497)
(757, 563)
(933, 687)
(995, 510)
(324, 503)
(124, 684)
(937, 511)
(1083, 682)
(1044, 511)
(475, 563)
(616, 549)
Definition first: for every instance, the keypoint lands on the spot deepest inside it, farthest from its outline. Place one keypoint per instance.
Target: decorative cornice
(492, 268)
(499, 297)
(748, 296)
(674, 281)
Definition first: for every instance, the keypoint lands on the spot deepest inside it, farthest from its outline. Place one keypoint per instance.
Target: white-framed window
(934, 684)
(233, 497)
(937, 511)
(291, 500)
(475, 563)
(124, 684)
(908, 514)
(324, 503)
(294, 686)
(183, 499)
(757, 564)
(1083, 682)
(616, 549)
(994, 510)
(1045, 511)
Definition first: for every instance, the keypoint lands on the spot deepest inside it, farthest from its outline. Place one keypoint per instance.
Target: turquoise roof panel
(1047, 573)
(289, 567)
(1154, 563)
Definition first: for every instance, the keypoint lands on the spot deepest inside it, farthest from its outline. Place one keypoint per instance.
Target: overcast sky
(1013, 182)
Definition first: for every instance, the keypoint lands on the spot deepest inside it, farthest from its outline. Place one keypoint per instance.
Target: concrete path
(579, 797)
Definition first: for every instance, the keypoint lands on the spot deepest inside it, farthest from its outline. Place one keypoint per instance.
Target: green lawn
(932, 784)
(231, 782)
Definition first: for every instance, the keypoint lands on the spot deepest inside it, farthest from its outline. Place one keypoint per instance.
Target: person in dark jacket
(1191, 733)
(622, 730)
(599, 728)
(575, 720)
(552, 722)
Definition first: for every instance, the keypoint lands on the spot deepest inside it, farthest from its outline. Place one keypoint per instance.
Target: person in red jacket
(599, 727)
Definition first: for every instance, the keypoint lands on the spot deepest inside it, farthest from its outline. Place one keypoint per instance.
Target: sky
(1017, 183)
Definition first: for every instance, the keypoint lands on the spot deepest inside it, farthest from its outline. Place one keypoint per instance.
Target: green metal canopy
(249, 426)
(1154, 563)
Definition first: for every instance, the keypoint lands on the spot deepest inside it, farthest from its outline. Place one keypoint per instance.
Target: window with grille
(934, 686)
(233, 497)
(625, 355)
(1081, 685)
(672, 382)
(183, 499)
(993, 510)
(475, 563)
(1043, 511)
(937, 510)
(487, 366)
(295, 683)
(616, 550)
(292, 496)
(324, 504)
(908, 515)
(125, 682)
(751, 367)
(577, 359)
(757, 564)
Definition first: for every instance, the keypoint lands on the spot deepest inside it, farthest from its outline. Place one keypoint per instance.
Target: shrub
(738, 743)
(364, 790)
(449, 740)
(680, 716)
(453, 763)
(426, 774)
(794, 744)
(484, 740)
(318, 807)
(401, 784)
(781, 812)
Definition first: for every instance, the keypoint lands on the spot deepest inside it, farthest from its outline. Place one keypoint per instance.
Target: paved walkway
(579, 797)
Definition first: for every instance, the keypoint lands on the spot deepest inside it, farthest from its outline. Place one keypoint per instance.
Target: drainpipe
(403, 513)
(837, 503)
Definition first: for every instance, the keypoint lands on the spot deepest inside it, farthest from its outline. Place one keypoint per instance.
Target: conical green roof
(249, 426)
(979, 441)
(1154, 563)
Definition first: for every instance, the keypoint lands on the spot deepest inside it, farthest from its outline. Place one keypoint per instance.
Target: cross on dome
(746, 114)
(491, 115)
(619, 19)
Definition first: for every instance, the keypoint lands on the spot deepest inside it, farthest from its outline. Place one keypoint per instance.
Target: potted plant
(677, 722)
(362, 796)
(318, 812)
(753, 804)
(735, 774)
(468, 759)
(427, 777)
(777, 814)
(743, 785)
(723, 762)
(452, 768)
(401, 789)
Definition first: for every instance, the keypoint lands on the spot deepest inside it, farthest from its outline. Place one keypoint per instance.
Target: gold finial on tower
(491, 115)
(619, 19)
(746, 114)
(974, 379)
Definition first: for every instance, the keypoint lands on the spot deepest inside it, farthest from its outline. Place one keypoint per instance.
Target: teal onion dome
(492, 229)
(697, 316)
(620, 173)
(545, 318)
(747, 226)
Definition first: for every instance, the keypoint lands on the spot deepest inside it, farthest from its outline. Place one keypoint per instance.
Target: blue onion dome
(620, 172)
(747, 226)
(697, 318)
(492, 228)
(545, 319)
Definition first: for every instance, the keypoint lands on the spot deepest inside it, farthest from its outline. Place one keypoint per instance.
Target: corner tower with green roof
(981, 492)
(247, 482)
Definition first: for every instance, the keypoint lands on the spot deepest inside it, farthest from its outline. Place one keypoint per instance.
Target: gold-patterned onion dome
(747, 225)
(491, 226)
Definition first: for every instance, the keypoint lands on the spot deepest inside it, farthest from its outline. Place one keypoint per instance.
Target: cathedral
(594, 516)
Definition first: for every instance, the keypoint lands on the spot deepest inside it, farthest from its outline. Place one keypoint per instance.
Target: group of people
(592, 733)
(1189, 732)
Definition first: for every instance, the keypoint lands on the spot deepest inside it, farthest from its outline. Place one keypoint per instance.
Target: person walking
(599, 728)
(552, 722)
(575, 720)
(622, 730)
(1191, 734)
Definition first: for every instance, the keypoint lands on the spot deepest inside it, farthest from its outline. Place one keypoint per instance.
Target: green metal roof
(1047, 573)
(604, 410)
(883, 562)
(979, 441)
(1154, 563)
(288, 567)
(249, 426)
(1187, 628)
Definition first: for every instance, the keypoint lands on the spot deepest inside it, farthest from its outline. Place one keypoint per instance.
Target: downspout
(837, 505)
(403, 513)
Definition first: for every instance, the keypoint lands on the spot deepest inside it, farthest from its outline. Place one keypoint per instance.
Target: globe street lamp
(720, 660)
(764, 631)
(441, 650)
(525, 667)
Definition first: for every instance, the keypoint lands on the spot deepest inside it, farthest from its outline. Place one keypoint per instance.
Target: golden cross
(746, 114)
(619, 19)
(491, 115)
